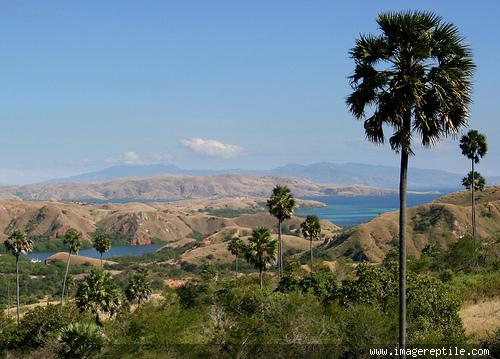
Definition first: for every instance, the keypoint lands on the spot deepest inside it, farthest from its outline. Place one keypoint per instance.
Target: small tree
(18, 244)
(73, 240)
(235, 246)
(474, 147)
(474, 179)
(281, 205)
(98, 294)
(139, 287)
(311, 229)
(102, 243)
(260, 250)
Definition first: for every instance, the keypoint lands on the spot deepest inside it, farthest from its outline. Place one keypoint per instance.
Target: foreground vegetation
(292, 311)
(216, 311)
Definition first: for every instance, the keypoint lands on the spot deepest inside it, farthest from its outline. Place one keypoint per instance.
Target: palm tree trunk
(236, 260)
(64, 281)
(280, 251)
(403, 187)
(17, 287)
(311, 250)
(473, 203)
(260, 276)
(101, 259)
(8, 298)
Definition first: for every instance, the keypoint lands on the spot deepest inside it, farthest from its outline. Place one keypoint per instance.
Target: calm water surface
(351, 211)
(113, 252)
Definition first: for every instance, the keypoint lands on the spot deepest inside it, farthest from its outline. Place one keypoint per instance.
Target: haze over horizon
(201, 85)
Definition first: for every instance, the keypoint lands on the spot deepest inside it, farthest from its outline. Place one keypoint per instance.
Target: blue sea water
(350, 211)
(118, 251)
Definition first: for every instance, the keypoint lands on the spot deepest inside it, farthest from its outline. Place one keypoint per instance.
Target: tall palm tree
(311, 229)
(415, 77)
(73, 240)
(281, 205)
(474, 147)
(98, 294)
(235, 246)
(102, 243)
(18, 244)
(260, 250)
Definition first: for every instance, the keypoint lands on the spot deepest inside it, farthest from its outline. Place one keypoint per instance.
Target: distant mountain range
(322, 172)
(174, 186)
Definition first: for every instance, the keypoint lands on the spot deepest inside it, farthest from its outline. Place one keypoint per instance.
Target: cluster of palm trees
(260, 250)
(19, 244)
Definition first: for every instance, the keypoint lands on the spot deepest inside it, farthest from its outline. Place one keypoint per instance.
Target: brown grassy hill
(218, 252)
(76, 260)
(440, 222)
(174, 186)
(141, 223)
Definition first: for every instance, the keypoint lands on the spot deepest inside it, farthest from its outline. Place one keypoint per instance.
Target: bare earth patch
(481, 318)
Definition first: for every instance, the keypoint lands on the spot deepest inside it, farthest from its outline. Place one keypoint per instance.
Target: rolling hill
(141, 223)
(440, 222)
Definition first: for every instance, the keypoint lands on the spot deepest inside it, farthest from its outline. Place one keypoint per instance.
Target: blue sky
(206, 84)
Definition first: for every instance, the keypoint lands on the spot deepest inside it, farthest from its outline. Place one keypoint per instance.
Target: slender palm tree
(281, 205)
(98, 294)
(18, 244)
(311, 229)
(474, 147)
(73, 240)
(260, 250)
(415, 78)
(102, 243)
(139, 287)
(235, 246)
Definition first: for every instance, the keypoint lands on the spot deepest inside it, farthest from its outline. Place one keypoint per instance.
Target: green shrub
(41, 325)
(192, 294)
(81, 340)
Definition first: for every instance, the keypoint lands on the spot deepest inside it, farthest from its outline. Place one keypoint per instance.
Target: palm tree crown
(260, 250)
(102, 243)
(139, 288)
(73, 239)
(473, 145)
(98, 294)
(235, 246)
(281, 203)
(311, 227)
(474, 178)
(18, 243)
(425, 88)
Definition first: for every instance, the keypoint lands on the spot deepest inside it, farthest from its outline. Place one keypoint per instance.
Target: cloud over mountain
(212, 148)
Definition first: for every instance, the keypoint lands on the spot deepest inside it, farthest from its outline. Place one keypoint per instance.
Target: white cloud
(131, 158)
(212, 148)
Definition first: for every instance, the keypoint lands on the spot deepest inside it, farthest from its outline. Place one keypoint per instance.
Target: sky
(207, 84)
